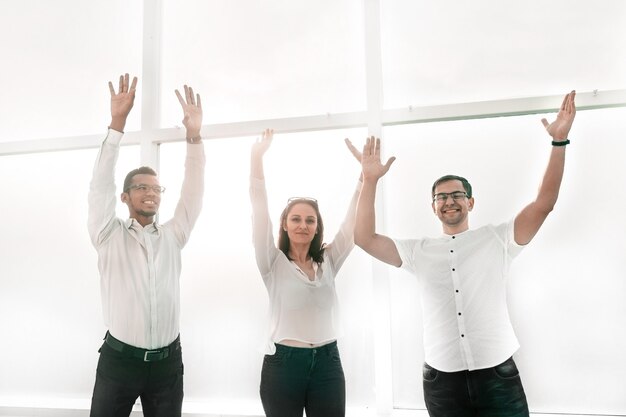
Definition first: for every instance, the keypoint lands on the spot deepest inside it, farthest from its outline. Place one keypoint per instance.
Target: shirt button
(456, 290)
(454, 269)
(451, 251)
(453, 237)
(462, 335)
(459, 314)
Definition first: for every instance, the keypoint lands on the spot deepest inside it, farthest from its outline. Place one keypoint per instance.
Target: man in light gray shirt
(139, 262)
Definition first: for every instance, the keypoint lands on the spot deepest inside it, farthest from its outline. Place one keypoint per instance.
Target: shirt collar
(152, 227)
(454, 236)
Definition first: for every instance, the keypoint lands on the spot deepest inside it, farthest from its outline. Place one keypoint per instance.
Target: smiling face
(142, 198)
(453, 213)
(301, 224)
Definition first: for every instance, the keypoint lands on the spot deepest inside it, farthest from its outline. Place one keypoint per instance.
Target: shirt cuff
(113, 137)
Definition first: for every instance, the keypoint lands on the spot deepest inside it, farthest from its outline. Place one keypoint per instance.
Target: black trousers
(297, 379)
(491, 392)
(121, 379)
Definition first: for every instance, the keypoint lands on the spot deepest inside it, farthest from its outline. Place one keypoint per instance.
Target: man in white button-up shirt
(468, 337)
(140, 264)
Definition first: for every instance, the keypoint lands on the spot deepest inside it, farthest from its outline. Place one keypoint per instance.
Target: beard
(146, 213)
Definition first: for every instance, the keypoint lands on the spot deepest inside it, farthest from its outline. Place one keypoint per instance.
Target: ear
(124, 197)
(470, 204)
(434, 208)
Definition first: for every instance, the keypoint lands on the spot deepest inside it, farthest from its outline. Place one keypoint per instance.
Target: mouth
(150, 202)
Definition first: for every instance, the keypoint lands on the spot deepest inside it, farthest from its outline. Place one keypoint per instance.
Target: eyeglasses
(301, 199)
(143, 188)
(443, 197)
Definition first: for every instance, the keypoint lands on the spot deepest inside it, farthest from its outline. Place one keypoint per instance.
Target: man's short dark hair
(141, 170)
(466, 185)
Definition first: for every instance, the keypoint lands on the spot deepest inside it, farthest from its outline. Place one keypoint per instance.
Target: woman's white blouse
(299, 309)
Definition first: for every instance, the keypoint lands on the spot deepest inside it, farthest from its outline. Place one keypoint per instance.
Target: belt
(146, 355)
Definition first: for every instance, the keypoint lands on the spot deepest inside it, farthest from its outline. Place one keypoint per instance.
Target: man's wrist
(560, 142)
(117, 124)
(194, 139)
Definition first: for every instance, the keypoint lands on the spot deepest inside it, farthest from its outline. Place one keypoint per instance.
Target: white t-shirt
(299, 309)
(462, 280)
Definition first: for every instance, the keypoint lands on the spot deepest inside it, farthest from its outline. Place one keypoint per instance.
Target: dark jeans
(120, 379)
(491, 392)
(297, 379)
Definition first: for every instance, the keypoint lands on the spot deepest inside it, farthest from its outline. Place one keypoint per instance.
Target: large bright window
(50, 298)
(264, 59)
(57, 58)
(437, 52)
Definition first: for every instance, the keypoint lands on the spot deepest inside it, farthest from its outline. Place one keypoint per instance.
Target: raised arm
(262, 237)
(101, 198)
(192, 114)
(192, 191)
(379, 246)
(530, 219)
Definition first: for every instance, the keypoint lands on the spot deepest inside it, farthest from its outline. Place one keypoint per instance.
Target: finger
(564, 104)
(389, 163)
(570, 102)
(121, 86)
(191, 97)
(377, 150)
(573, 95)
(111, 89)
(180, 98)
(352, 149)
(349, 144)
(133, 86)
(187, 99)
(545, 123)
(198, 101)
(126, 83)
(369, 146)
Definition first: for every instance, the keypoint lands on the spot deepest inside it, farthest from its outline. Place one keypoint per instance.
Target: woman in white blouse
(301, 369)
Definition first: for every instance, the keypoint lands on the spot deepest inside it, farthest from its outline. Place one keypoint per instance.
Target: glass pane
(58, 61)
(50, 288)
(263, 59)
(221, 289)
(565, 289)
(449, 51)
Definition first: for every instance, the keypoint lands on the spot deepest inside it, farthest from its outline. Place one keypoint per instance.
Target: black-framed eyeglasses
(443, 197)
(301, 199)
(143, 188)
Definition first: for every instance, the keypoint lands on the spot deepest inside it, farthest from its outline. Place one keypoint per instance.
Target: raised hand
(192, 112)
(372, 167)
(262, 144)
(122, 102)
(559, 129)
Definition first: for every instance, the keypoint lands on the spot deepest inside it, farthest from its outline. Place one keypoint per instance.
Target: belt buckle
(152, 352)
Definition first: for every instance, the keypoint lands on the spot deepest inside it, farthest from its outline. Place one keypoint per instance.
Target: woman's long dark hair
(316, 250)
